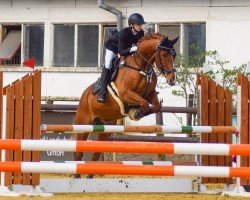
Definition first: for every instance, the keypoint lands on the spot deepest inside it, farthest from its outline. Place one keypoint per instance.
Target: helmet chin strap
(135, 29)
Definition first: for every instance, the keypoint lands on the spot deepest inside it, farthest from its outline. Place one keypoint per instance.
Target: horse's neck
(145, 56)
(148, 56)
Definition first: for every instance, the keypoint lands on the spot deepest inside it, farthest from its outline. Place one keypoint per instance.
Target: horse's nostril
(172, 82)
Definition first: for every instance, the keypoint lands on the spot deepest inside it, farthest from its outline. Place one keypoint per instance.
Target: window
(68, 52)
(194, 33)
(149, 28)
(10, 48)
(63, 52)
(87, 49)
(171, 31)
(82, 45)
(34, 43)
(107, 33)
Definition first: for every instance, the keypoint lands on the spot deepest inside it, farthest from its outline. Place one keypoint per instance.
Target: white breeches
(109, 55)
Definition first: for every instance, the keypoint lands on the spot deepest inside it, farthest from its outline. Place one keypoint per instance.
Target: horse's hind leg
(78, 155)
(82, 118)
(100, 137)
(97, 155)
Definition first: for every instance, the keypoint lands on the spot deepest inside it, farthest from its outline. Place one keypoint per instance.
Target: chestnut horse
(134, 85)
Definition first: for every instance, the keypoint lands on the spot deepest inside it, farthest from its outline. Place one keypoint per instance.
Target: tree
(191, 65)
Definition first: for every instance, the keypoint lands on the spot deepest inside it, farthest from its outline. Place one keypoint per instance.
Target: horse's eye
(165, 54)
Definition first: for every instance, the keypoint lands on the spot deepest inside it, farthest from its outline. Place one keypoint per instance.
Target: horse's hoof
(135, 114)
(90, 176)
(138, 114)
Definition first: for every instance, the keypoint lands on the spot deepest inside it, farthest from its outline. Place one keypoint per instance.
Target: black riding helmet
(136, 18)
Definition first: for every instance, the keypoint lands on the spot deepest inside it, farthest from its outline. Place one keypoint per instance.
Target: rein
(148, 74)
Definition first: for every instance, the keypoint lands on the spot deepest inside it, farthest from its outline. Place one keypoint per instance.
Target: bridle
(149, 73)
(172, 52)
(157, 50)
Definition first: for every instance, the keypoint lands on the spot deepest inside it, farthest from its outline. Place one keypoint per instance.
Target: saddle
(112, 76)
(125, 108)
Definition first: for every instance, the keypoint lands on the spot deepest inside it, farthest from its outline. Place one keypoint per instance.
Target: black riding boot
(102, 95)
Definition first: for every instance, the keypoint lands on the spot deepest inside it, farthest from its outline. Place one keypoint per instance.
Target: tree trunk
(190, 104)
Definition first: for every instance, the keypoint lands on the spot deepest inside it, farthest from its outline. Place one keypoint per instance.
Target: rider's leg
(102, 95)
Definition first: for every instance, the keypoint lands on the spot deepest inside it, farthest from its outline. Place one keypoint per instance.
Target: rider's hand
(133, 49)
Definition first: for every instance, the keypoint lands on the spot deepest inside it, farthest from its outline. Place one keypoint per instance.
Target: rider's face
(137, 27)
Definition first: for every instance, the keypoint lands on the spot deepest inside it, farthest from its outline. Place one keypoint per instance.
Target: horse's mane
(151, 36)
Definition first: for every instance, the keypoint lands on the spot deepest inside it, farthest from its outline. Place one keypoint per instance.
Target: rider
(128, 38)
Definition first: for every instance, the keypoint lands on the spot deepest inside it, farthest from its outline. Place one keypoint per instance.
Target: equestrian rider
(127, 39)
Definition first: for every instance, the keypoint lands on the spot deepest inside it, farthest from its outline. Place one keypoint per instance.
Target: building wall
(227, 22)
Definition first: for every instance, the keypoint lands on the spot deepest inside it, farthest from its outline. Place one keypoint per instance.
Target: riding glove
(133, 49)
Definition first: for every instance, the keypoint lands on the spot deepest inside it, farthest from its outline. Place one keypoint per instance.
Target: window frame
(23, 32)
(181, 37)
(51, 61)
(75, 67)
(102, 43)
(49, 47)
(22, 56)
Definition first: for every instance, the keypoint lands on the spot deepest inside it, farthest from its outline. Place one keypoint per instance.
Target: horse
(133, 88)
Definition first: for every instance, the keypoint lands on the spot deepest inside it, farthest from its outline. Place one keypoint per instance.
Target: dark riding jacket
(127, 39)
(112, 42)
(122, 42)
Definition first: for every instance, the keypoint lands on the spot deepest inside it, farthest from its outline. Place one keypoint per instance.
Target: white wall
(73, 84)
(230, 39)
(59, 84)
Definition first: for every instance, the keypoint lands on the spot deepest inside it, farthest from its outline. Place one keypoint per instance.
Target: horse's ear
(174, 40)
(164, 41)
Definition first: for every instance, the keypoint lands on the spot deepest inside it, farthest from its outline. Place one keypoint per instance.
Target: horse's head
(165, 57)
(159, 49)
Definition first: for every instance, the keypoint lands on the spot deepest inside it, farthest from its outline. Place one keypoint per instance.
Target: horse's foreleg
(83, 117)
(98, 155)
(153, 99)
(133, 98)
(78, 155)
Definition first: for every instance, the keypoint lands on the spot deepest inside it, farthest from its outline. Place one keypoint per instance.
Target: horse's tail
(83, 112)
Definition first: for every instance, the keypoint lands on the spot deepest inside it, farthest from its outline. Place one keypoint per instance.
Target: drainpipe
(113, 10)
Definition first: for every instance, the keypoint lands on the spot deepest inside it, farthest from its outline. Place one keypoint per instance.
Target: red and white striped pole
(97, 168)
(126, 147)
